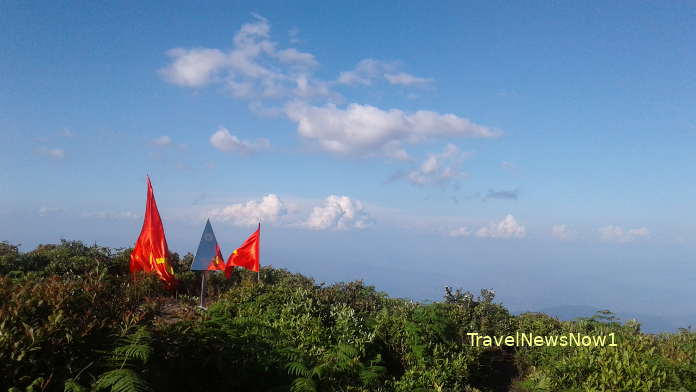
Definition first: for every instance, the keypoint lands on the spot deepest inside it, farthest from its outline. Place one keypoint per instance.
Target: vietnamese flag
(218, 263)
(151, 252)
(246, 256)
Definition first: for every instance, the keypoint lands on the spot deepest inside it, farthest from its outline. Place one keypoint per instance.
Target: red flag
(217, 263)
(246, 256)
(151, 253)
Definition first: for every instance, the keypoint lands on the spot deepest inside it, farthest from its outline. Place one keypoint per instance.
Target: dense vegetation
(71, 318)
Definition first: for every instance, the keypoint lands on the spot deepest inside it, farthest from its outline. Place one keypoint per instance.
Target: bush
(73, 319)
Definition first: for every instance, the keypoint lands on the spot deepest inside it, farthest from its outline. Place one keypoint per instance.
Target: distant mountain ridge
(648, 323)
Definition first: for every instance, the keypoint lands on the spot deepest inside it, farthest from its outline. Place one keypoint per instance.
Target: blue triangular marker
(206, 249)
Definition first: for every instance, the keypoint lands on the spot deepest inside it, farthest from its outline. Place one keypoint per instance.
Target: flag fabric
(218, 264)
(208, 256)
(246, 256)
(151, 252)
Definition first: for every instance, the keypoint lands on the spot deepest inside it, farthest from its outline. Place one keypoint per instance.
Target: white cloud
(258, 69)
(253, 69)
(460, 232)
(365, 72)
(642, 232)
(366, 129)
(405, 79)
(338, 212)
(562, 232)
(66, 132)
(617, 234)
(53, 153)
(294, 56)
(369, 70)
(269, 210)
(226, 142)
(193, 67)
(162, 141)
(439, 169)
(306, 87)
(47, 211)
(395, 151)
(506, 228)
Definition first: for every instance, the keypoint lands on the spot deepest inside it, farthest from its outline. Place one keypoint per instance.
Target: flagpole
(258, 273)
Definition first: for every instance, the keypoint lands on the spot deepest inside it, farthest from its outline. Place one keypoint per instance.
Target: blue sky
(545, 150)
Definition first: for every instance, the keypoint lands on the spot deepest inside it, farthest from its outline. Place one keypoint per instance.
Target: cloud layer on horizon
(334, 213)
(618, 234)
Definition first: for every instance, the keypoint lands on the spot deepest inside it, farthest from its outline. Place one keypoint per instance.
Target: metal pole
(203, 276)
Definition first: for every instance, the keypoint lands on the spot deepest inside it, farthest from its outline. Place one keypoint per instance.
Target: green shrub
(73, 319)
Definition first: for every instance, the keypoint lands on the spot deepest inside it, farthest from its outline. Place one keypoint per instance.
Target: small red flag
(151, 252)
(217, 263)
(246, 256)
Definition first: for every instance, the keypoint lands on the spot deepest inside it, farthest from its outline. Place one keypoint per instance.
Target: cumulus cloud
(53, 153)
(339, 213)
(365, 72)
(269, 210)
(306, 87)
(294, 56)
(617, 234)
(364, 128)
(226, 142)
(259, 70)
(255, 68)
(405, 79)
(162, 141)
(562, 232)
(460, 232)
(506, 228)
(395, 151)
(439, 169)
(193, 67)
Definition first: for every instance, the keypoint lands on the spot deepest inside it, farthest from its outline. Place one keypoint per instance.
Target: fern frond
(297, 369)
(136, 346)
(36, 385)
(346, 352)
(137, 351)
(292, 354)
(72, 386)
(321, 369)
(303, 384)
(122, 380)
(371, 374)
